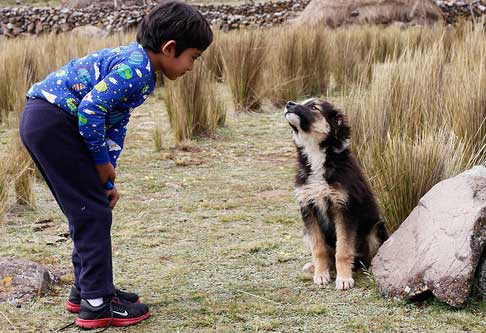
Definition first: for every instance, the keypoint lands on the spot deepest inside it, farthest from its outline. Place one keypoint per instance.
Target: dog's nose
(290, 104)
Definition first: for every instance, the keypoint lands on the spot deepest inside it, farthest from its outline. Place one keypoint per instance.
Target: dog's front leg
(319, 250)
(345, 252)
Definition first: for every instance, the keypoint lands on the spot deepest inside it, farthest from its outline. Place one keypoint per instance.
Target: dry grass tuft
(213, 56)
(4, 187)
(193, 106)
(420, 120)
(243, 62)
(298, 64)
(22, 173)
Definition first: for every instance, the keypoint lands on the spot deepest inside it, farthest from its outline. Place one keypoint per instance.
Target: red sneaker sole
(74, 308)
(71, 307)
(126, 322)
(119, 322)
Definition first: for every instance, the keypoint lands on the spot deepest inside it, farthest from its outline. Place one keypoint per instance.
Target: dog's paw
(344, 283)
(322, 278)
(308, 268)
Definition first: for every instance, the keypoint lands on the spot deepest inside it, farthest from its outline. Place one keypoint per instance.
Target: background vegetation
(207, 209)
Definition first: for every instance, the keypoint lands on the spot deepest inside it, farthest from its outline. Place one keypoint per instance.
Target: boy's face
(174, 67)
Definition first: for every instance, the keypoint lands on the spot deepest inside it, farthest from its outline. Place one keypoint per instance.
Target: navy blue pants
(51, 136)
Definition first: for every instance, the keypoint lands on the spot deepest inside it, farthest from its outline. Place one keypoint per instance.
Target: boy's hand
(106, 172)
(113, 196)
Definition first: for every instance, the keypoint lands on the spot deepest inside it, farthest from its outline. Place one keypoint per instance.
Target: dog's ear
(342, 132)
(342, 127)
(340, 120)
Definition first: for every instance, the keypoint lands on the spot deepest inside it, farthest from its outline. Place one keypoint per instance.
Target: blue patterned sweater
(101, 90)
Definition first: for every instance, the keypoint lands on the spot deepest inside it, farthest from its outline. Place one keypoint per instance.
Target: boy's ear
(168, 47)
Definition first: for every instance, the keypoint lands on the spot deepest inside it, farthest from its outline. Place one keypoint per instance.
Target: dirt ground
(210, 236)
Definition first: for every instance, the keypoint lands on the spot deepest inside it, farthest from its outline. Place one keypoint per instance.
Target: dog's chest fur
(312, 187)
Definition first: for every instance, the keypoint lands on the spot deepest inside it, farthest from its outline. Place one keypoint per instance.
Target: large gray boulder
(334, 13)
(438, 247)
(21, 280)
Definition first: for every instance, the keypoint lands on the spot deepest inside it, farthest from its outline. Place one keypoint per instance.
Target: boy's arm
(116, 87)
(115, 136)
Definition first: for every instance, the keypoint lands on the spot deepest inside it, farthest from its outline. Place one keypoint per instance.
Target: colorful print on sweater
(101, 90)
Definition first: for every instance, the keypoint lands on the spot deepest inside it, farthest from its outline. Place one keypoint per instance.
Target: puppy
(339, 211)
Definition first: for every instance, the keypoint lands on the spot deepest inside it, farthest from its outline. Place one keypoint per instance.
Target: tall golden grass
(21, 69)
(4, 187)
(193, 105)
(420, 120)
(213, 56)
(23, 172)
(243, 61)
(16, 172)
(21, 65)
(297, 64)
(415, 98)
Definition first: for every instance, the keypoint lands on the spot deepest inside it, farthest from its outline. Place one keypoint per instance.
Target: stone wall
(15, 21)
(454, 9)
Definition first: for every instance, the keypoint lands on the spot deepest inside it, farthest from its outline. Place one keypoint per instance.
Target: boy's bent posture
(74, 124)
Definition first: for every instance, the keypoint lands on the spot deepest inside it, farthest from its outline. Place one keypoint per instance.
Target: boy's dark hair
(174, 20)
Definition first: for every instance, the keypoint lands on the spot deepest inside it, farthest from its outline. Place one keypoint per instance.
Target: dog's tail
(377, 236)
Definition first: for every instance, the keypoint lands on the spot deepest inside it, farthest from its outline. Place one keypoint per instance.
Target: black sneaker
(74, 298)
(113, 312)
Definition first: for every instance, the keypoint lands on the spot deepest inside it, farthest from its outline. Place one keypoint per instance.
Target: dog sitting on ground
(339, 211)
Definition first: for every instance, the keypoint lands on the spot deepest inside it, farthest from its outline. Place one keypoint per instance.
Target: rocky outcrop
(21, 280)
(438, 247)
(376, 12)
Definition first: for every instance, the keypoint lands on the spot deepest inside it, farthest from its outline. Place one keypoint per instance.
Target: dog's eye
(314, 107)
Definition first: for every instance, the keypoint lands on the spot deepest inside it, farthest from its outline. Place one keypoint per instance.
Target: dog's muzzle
(290, 106)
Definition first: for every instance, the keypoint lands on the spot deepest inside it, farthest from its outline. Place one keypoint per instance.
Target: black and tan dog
(339, 210)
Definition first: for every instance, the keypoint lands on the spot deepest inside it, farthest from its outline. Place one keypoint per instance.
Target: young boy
(74, 124)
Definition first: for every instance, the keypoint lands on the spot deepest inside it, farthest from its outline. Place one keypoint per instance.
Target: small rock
(22, 280)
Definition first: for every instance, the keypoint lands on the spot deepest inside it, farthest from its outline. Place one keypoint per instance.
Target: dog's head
(317, 122)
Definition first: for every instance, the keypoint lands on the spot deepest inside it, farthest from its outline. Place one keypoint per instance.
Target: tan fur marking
(345, 253)
(320, 128)
(338, 197)
(318, 193)
(320, 255)
(312, 99)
